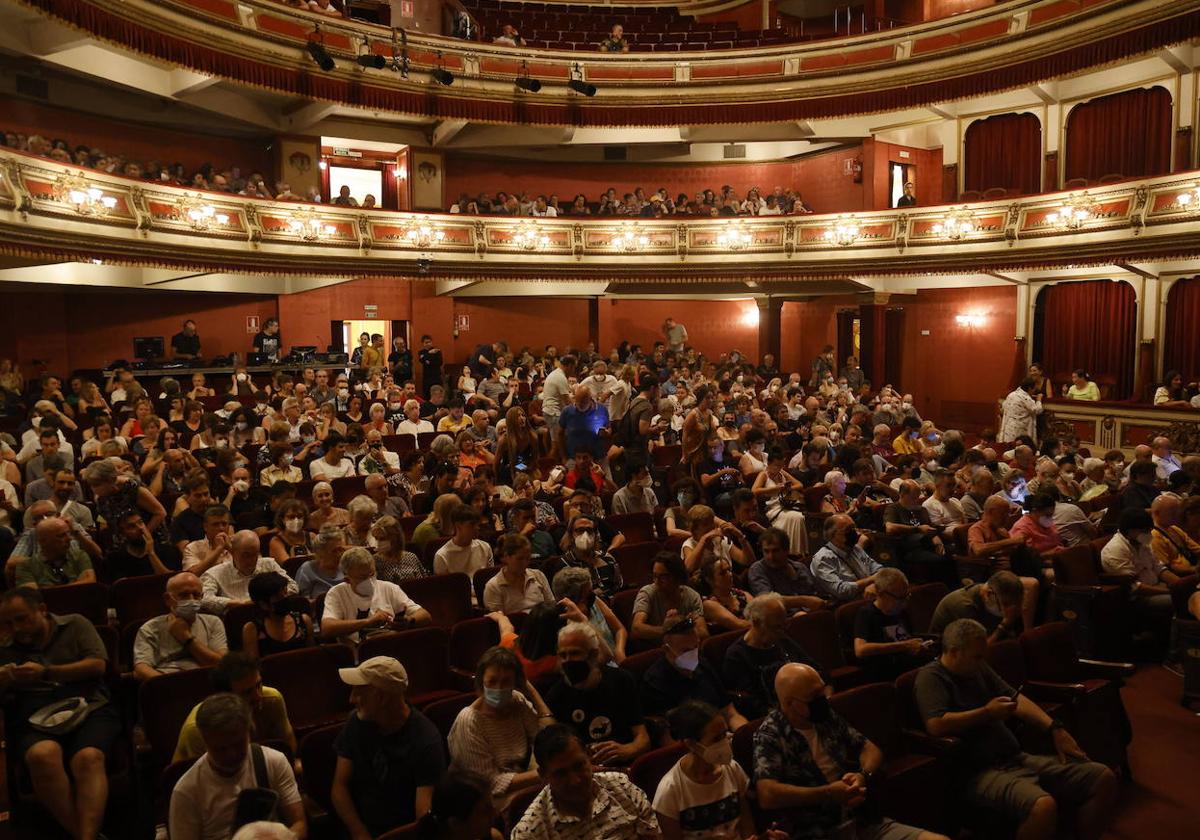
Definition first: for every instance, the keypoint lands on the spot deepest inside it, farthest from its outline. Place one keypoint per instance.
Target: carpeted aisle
(1163, 800)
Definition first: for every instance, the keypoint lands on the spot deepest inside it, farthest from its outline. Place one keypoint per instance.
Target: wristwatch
(1055, 723)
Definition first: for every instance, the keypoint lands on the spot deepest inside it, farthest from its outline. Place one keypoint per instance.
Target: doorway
(899, 174)
(351, 330)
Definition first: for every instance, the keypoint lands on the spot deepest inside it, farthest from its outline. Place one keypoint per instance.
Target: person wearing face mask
(638, 494)
(883, 644)
(281, 467)
(183, 638)
(362, 604)
(842, 569)
(575, 586)
(995, 604)
(908, 442)
(517, 588)
(228, 584)
(282, 621)
(1129, 554)
(705, 795)
(1037, 526)
(812, 769)
(682, 674)
(685, 493)
(581, 549)
(205, 800)
(494, 735)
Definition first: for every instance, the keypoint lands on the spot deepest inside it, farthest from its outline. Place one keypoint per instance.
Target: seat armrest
(1100, 669)
(1107, 579)
(923, 742)
(1061, 692)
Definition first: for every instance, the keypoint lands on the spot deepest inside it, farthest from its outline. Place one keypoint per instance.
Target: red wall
(821, 178)
(957, 373)
(928, 176)
(747, 16)
(714, 326)
(136, 141)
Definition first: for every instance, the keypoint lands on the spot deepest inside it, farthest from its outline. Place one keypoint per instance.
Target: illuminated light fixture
(86, 199)
(398, 172)
(577, 83)
(629, 238)
(969, 320)
(750, 317)
(1189, 200)
(440, 74)
(845, 231)
(199, 215)
(735, 237)
(957, 224)
(1074, 212)
(529, 238)
(423, 234)
(322, 165)
(524, 82)
(306, 225)
(316, 49)
(370, 60)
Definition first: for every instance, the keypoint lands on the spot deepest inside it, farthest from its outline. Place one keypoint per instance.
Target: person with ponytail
(460, 809)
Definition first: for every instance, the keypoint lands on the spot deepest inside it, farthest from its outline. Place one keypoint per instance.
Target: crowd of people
(776, 494)
(780, 201)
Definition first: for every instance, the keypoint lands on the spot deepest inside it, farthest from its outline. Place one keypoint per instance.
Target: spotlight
(316, 49)
(578, 85)
(320, 56)
(440, 74)
(524, 82)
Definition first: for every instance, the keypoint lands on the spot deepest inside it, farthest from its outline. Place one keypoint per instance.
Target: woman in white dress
(775, 484)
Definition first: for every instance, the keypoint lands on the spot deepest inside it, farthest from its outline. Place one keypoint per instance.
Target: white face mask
(241, 377)
(187, 610)
(688, 660)
(241, 486)
(1144, 539)
(293, 526)
(365, 588)
(718, 754)
(584, 542)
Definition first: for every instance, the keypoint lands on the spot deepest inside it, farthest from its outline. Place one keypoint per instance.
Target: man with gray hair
(883, 644)
(228, 583)
(751, 662)
(205, 802)
(842, 568)
(599, 703)
(995, 605)
(183, 638)
(959, 695)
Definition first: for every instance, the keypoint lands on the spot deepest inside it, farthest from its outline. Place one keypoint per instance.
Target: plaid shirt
(782, 755)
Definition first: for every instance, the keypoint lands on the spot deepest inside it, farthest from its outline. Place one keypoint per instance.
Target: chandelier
(86, 199)
(199, 215)
(423, 234)
(529, 238)
(1074, 212)
(629, 238)
(305, 224)
(845, 231)
(957, 224)
(735, 237)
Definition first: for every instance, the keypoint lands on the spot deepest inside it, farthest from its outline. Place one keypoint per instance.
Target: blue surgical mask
(497, 697)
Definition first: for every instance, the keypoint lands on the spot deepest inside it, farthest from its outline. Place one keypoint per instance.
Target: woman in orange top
(537, 645)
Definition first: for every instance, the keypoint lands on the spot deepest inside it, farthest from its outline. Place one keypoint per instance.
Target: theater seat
(637, 527)
(442, 713)
(817, 633)
(446, 597)
(137, 599)
(87, 599)
(345, 489)
(308, 679)
(1099, 612)
(480, 579)
(319, 761)
(649, 768)
(468, 641)
(636, 562)
(922, 602)
(425, 655)
(164, 703)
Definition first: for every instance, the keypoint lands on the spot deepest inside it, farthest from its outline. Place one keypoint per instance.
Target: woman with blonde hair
(438, 524)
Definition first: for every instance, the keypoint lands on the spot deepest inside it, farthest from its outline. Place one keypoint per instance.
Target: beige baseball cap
(383, 672)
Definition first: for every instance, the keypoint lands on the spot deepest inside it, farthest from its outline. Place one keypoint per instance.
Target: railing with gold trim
(55, 211)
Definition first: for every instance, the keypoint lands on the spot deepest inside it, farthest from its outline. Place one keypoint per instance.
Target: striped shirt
(496, 748)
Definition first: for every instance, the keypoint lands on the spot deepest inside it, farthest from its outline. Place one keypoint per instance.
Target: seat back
(639, 663)
(907, 713)
(1181, 593)
(649, 768)
(922, 602)
(308, 678)
(480, 579)
(1050, 653)
(713, 648)
(816, 632)
(319, 761)
(446, 597)
(423, 652)
(468, 641)
(137, 599)
(234, 619)
(622, 606)
(743, 747)
(345, 489)
(442, 713)
(637, 527)
(636, 560)
(1007, 659)
(1076, 566)
(872, 710)
(844, 616)
(89, 600)
(164, 703)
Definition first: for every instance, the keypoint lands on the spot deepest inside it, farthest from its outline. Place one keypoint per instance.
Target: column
(594, 322)
(770, 312)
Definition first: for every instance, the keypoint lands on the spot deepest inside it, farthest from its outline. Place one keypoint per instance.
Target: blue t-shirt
(581, 429)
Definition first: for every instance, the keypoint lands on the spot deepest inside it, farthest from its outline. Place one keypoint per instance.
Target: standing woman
(1042, 384)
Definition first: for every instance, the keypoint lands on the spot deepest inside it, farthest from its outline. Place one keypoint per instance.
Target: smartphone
(1016, 692)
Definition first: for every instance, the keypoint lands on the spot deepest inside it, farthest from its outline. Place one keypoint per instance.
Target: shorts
(551, 425)
(885, 829)
(1014, 787)
(100, 731)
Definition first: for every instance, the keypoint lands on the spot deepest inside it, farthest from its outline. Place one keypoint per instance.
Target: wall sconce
(970, 321)
(322, 165)
(750, 316)
(399, 172)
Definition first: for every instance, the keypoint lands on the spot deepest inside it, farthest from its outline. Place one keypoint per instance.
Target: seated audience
(362, 604)
(1141, 491)
(682, 674)
(184, 637)
(393, 561)
(1128, 554)
(959, 695)
(323, 511)
(389, 755)
(362, 511)
(321, 573)
(812, 768)
(666, 601)
(463, 552)
(777, 572)
(516, 588)
(883, 644)
(460, 808)
(1170, 543)
(1037, 526)
(751, 662)
(283, 620)
(995, 604)
(708, 542)
(135, 554)
(782, 493)
(206, 800)
(213, 549)
(842, 569)
(229, 583)
(536, 645)
(920, 548)
(582, 549)
(575, 585)
(59, 559)
(637, 496)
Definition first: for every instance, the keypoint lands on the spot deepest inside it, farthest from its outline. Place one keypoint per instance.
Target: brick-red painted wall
(714, 326)
(821, 178)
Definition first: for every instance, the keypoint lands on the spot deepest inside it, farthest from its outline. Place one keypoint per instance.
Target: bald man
(183, 638)
(812, 767)
(228, 584)
(1170, 543)
(59, 559)
(583, 427)
(1164, 459)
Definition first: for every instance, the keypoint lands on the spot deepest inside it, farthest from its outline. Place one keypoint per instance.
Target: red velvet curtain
(1127, 134)
(1004, 151)
(1181, 349)
(1090, 325)
(893, 362)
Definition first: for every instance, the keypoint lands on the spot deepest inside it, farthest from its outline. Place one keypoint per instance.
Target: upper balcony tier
(264, 44)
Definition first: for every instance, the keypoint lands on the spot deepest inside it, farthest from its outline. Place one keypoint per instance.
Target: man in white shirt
(334, 463)
(945, 510)
(412, 424)
(201, 555)
(45, 411)
(637, 495)
(362, 603)
(541, 208)
(676, 335)
(1129, 553)
(205, 800)
(229, 583)
(378, 459)
(1163, 458)
(601, 382)
(556, 393)
(463, 553)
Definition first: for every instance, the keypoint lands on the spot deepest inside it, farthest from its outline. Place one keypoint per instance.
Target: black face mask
(851, 537)
(819, 710)
(576, 671)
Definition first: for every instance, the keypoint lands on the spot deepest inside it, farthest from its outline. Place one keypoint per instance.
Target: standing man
(431, 361)
(556, 394)
(822, 366)
(186, 344)
(1019, 412)
(400, 360)
(676, 335)
(909, 199)
(268, 341)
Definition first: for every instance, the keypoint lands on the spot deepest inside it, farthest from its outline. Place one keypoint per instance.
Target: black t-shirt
(401, 365)
(188, 525)
(388, 769)
(431, 364)
(608, 712)
(872, 624)
(726, 483)
(664, 687)
(187, 345)
(120, 563)
(478, 368)
(752, 670)
(268, 344)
